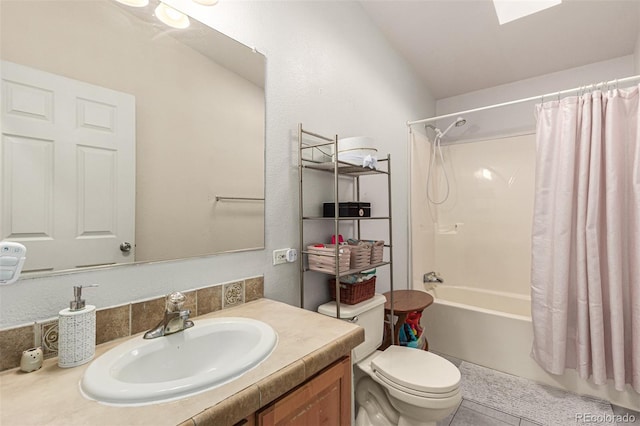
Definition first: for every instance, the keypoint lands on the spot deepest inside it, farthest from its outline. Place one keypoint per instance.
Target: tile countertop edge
(253, 398)
(300, 354)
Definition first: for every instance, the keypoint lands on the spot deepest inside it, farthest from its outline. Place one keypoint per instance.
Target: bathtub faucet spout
(432, 277)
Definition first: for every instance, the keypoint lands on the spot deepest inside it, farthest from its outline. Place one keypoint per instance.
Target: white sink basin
(207, 355)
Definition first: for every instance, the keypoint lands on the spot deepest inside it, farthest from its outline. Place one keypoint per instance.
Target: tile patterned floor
(473, 413)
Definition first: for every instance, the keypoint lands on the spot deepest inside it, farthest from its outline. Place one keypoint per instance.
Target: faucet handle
(175, 301)
(432, 277)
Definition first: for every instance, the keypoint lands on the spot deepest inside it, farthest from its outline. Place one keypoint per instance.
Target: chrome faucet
(175, 318)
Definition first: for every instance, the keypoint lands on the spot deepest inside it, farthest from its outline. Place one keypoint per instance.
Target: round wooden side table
(404, 303)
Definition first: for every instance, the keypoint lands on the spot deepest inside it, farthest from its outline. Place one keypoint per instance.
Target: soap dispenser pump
(77, 331)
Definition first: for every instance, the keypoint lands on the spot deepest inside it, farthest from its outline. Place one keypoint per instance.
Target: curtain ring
(558, 96)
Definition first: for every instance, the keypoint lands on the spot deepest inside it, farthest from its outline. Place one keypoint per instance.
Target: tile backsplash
(125, 320)
(233, 294)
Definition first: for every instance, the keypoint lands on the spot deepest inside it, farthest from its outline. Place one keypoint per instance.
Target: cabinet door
(324, 400)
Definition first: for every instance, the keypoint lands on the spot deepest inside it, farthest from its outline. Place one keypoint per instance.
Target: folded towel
(369, 161)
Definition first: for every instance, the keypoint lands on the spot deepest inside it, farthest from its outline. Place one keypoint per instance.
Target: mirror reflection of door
(199, 123)
(67, 168)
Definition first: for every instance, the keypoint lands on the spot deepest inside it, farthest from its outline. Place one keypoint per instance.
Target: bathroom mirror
(193, 107)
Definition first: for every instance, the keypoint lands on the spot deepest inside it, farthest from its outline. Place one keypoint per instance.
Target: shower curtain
(585, 281)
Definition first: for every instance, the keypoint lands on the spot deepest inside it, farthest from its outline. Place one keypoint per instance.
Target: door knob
(125, 247)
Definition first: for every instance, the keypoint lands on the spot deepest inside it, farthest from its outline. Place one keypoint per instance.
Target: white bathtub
(494, 329)
(485, 300)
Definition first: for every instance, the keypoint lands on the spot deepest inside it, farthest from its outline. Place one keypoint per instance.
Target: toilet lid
(417, 370)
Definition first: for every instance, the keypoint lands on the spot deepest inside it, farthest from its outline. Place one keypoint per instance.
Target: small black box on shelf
(347, 209)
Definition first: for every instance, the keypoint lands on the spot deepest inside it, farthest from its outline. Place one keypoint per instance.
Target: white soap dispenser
(76, 331)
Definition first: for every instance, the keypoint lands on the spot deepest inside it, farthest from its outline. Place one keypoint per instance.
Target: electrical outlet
(280, 256)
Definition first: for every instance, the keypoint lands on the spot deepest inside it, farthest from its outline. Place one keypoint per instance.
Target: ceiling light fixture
(206, 2)
(510, 10)
(171, 17)
(134, 3)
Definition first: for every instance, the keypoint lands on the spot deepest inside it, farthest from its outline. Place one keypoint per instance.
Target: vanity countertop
(307, 342)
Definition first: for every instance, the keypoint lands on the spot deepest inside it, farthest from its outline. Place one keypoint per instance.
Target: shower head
(458, 123)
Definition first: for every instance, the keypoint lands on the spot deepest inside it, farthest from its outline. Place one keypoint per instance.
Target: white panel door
(67, 165)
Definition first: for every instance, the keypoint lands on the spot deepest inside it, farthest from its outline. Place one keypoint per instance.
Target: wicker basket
(377, 252)
(323, 258)
(360, 256)
(350, 294)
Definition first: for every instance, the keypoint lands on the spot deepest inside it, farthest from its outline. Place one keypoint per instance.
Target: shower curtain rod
(533, 98)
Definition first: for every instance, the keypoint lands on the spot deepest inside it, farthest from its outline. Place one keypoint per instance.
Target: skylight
(510, 10)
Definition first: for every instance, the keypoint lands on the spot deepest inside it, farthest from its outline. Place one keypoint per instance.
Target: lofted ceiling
(457, 46)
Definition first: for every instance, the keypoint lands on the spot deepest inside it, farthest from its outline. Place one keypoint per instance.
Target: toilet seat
(414, 392)
(417, 372)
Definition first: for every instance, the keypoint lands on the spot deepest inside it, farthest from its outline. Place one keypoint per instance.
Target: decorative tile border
(12, 342)
(48, 338)
(253, 289)
(125, 320)
(233, 294)
(113, 323)
(208, 300)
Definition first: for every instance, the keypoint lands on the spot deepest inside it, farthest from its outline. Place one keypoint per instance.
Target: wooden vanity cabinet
(323, 400)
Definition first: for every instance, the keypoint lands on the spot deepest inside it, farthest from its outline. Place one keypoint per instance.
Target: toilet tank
(368, 315)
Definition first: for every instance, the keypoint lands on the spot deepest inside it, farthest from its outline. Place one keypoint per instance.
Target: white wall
(327, 67)
(636, 53)
(519, 119)
(491, 202)
(422, 235)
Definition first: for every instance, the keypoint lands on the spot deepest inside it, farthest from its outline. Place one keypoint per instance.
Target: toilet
(400, 385)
